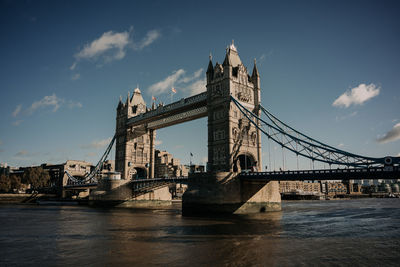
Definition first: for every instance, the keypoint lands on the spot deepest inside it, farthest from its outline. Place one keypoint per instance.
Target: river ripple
(305, 233)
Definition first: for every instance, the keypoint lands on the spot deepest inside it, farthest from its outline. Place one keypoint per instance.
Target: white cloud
(392, 135)
(17, 122)
(197, 87)
(97, 144)
(91, 154)
(178, 78)
(195, 75)
(113, 46)
(344, 117)
(341, 145)
(150, 37)
(22, 153)
(166, 84)
(76, 76)
(72, 104)
(357, 96)
(116, 41)
(73, 66)
(17, 110)
(50, 100)
(158, 142)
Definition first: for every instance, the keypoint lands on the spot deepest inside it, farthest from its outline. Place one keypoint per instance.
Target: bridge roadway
(137, 184)
(388, 172)
(186, 109)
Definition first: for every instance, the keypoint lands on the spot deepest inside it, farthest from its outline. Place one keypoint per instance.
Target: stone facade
(234, 143)
(134, 145)
(167, 166)
(299, 187)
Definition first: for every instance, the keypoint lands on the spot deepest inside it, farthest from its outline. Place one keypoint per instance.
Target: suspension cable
(306, 146)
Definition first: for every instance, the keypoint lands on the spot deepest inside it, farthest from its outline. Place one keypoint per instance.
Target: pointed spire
(227, 60)
(210, 68)
(120, 102)
(128, 98)
(255, 70)
(233, 47)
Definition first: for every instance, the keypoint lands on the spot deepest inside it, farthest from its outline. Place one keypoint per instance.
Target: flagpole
(191, 155)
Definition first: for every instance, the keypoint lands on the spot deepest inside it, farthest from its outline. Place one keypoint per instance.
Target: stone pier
(119, 193)
(224, 193)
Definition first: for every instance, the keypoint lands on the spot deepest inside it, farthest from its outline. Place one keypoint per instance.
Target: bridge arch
(141, 173)
(244, 162)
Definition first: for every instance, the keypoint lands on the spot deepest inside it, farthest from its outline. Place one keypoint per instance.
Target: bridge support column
(224, 192)
(152, 153)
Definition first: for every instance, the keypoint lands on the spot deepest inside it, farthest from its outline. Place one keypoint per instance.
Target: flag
(173, 90)
(153, 98)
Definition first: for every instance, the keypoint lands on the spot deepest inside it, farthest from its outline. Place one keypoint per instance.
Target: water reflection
(362, 232)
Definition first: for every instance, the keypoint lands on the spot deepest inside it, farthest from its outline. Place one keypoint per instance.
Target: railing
(388, 172)
(305, 146)
(141, 182)
(184, 102)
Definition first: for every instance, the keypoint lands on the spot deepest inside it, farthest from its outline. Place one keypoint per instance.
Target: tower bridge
(236, 121)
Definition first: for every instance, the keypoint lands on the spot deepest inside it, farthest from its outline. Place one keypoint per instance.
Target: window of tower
(235, 71)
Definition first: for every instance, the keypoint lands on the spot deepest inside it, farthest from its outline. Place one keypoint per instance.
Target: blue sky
(328, 68)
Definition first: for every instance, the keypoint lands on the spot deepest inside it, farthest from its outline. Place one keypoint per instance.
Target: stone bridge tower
(234, 144)
(134, 145)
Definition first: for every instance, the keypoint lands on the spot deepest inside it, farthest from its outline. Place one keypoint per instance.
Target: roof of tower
(137, 97)
(255, 70)
(232, 57)
(210, 65)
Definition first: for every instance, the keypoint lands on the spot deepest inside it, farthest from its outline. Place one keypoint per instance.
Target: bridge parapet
(167, 109)
(326, 174)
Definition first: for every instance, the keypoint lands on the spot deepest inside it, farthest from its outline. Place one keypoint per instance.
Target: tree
(5, 183)
(15, 182)
(36, 177)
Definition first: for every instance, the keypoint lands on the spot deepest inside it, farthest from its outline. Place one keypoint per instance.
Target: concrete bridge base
(119, 193)
(224, 193)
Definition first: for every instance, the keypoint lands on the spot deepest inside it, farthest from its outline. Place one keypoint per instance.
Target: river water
(309, 233)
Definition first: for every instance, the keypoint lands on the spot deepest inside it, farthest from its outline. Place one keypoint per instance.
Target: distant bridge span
(325, 174)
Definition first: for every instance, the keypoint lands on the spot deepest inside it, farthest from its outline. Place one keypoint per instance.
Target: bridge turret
(210, 70)
(232, 140)
(134, 145)
(255, 76)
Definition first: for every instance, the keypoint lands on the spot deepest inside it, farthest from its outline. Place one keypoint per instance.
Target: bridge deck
(137, 184)
(325, 174)
(186, 109)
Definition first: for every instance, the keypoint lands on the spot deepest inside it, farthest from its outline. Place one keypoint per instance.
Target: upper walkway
(388, 172)
(186, 109)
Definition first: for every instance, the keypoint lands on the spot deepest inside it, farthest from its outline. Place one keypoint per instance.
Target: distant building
(353, 188)
(58, 177)
(196, 168)
(335, 188)
(4, 169)
(300, 187)
(167, 166)
(108, 166)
